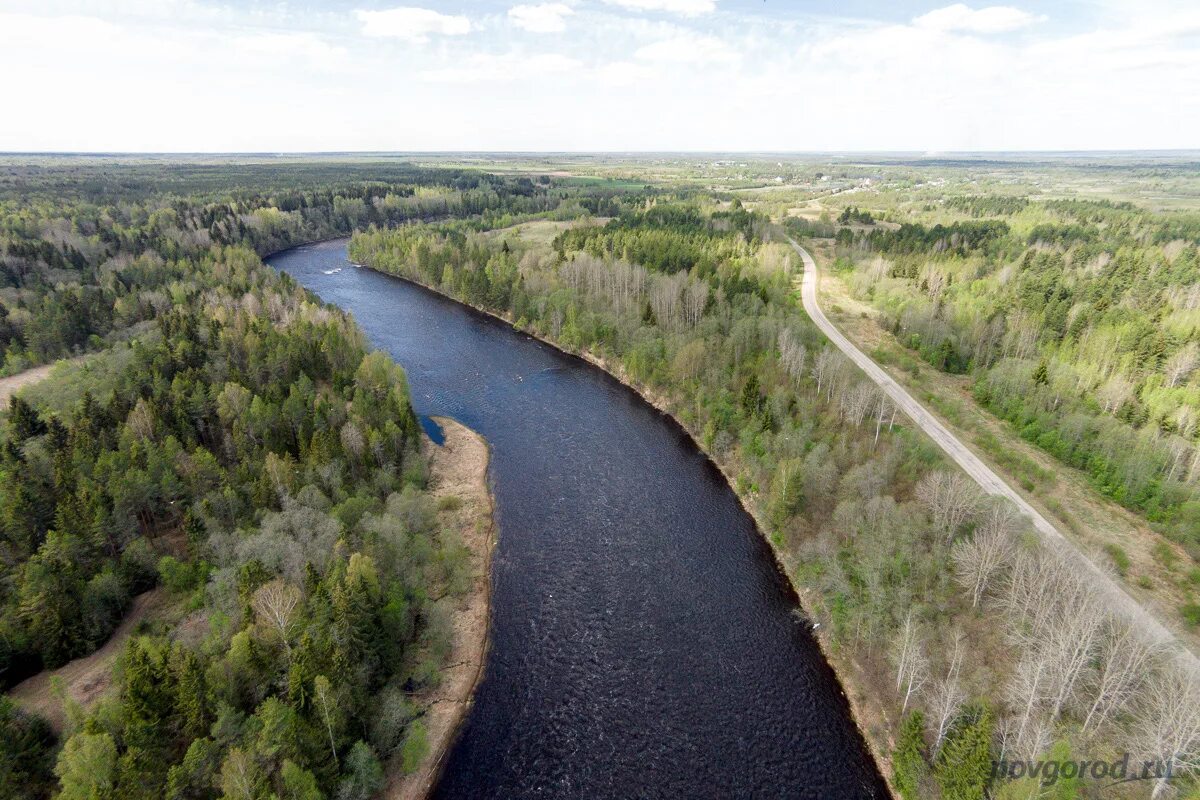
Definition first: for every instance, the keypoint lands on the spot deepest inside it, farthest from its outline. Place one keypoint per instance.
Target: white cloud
(960, 17)
(71, 30)
(624, 73)
(305, 46)
(544, 18)
(412, 24)
(775, 80)
(688, 48)
(688, 8)
(491, 68)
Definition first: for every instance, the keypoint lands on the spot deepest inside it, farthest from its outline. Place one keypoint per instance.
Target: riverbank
(875, 728)
(458, 483)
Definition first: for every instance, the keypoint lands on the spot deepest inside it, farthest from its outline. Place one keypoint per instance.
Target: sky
(598, 75)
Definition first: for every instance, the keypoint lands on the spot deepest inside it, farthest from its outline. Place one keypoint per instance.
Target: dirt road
(971, 463)
(14, 383)
(85, 679)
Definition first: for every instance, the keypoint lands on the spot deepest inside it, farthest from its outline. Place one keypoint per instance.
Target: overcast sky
(188, 75)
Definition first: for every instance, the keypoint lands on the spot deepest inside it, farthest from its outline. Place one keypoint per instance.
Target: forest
(1076, 321)
(910, 567)
(236, 445)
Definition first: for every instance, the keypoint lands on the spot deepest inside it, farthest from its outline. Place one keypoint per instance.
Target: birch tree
(978, 560)
(695, 298)
(883, 407)
(323, 691)
(275, 605)
(826, 368)
(1125, 657)
(1169, 723)
(950, 498)
(792, 353)
(948, 696)
(912, 665)
(1182, 364)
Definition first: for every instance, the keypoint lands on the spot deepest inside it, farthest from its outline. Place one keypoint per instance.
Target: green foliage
(415, 747)
(363, 775)
(1120, 558)
(87, 767)
(180, 577)
(26, 752)
(910, 767)
(964, 764)
(1073, 316)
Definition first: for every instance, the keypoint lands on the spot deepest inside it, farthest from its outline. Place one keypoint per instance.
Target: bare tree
(1126, 655)
(1021, 337)
(1185, 420)
(353, 441)
(950, 498)
(948, 696)
(792, 353)
(1114, 393)
(883, 406)
(1182, 364)
(912, 665)
(979, 559)
(695, 298)
(1072, 640)
(1025, 693)
(1169, 723)
(275, 604)
(934, 280)
(855, 402)
(826, 367)
(665, 296)
(1030, 595)
(1059, 617)
(325, 700)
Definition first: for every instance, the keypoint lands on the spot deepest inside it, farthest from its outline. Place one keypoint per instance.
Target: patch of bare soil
(458, 469)
(14, 383)
(85, 679)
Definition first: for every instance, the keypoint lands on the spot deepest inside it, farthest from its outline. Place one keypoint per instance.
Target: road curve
(971, 463)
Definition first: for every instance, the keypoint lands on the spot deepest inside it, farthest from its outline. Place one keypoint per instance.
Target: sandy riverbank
(458, 469)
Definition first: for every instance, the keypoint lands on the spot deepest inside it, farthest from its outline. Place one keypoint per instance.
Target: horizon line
(627, 152)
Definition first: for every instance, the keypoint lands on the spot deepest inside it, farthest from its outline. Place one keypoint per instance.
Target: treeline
(855, 214)
(668, 237)
(74, 270)
(1081, 328)
(960, 238)
(897, 552)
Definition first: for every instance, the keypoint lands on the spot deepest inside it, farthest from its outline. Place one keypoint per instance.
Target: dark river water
(644, 644)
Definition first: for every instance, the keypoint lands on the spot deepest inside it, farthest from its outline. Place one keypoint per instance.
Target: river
(644, 643)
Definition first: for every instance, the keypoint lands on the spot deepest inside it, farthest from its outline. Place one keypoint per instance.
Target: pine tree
(910, 768)
(191, 696)
(964, 765)
(23, 421)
